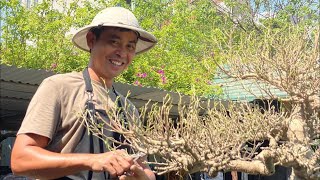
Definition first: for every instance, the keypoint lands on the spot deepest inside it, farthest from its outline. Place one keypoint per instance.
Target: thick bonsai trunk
(300, 133)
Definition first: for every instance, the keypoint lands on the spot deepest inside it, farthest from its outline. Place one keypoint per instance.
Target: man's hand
(116, 163)
(138, 171)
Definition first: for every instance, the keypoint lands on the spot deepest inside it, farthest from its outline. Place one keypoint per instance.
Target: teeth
(116, 63)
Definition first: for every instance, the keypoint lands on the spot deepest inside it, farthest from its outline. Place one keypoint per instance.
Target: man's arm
(29, 158)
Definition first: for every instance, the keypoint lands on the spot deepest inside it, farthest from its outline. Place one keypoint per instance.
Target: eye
(131, 47)
(114, 42)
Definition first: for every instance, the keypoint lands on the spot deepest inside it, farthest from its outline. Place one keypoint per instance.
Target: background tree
(182, 59)
(39, 37)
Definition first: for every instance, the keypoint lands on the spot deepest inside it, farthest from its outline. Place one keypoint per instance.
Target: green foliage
(37, 37)
(183, 60)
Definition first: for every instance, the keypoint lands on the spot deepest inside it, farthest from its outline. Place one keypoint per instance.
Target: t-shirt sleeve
(43, 113)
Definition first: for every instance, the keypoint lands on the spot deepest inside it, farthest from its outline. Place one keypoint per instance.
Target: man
(52, 143)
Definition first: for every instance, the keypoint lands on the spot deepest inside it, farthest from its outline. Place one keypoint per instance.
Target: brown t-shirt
(54, 113)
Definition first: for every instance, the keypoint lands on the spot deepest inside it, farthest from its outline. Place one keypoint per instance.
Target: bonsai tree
(212, 136)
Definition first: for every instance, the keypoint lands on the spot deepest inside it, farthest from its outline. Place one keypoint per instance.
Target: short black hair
(97, 31)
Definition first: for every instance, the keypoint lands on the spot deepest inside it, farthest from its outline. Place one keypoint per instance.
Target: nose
(121, 51)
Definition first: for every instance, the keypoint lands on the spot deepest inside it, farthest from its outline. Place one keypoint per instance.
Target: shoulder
(62, 80)
(61, 84)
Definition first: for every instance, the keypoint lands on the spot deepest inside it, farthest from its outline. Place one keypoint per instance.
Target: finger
(124, 162)
(119, 165)
(110, 170)
(121, 152)
(137, 170)
(118, 162)
(121, 177)
(124, 177)
(130, 177)
(125, 155)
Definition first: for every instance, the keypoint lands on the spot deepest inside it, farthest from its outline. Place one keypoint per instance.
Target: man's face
(112, 52)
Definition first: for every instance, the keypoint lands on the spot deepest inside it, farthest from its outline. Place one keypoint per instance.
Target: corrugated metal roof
(23, 75)
(247, 90)
(19, 84)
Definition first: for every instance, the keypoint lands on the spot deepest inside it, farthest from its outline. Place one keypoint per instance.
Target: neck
(96, 77)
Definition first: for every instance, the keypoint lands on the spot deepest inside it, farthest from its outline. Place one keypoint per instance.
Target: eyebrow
(114, 36)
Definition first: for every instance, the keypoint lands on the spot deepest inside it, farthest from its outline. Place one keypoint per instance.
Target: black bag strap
(87, 80)
(91, 114)
(89, 91)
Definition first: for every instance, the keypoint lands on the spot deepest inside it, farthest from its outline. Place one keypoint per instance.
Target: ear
(90, 39)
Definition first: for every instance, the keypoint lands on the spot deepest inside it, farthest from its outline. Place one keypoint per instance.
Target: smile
(117, 63)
